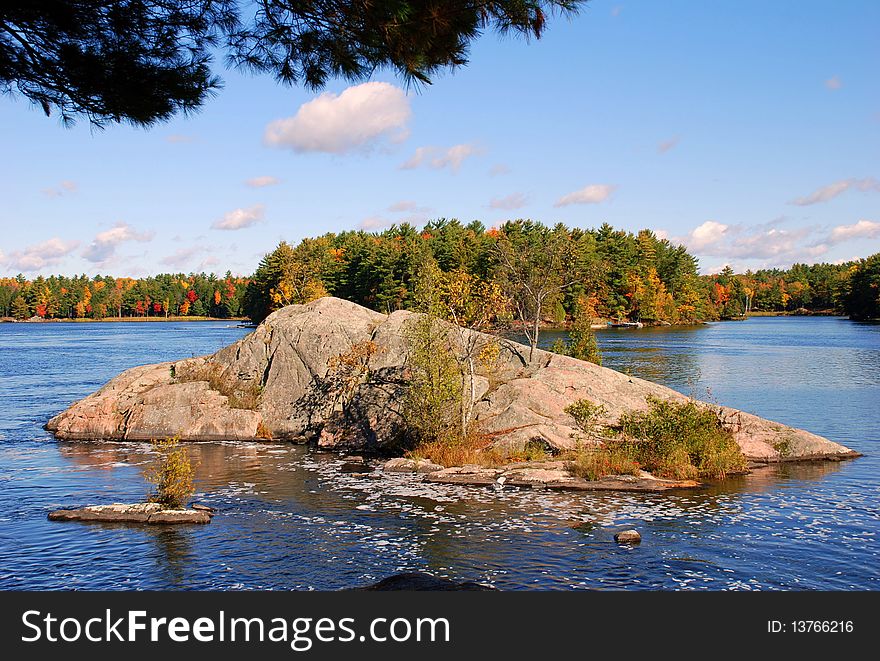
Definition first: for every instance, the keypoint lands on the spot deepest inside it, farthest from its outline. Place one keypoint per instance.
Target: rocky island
(281, 382)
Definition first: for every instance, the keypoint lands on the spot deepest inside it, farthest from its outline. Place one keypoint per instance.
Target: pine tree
(20, 309)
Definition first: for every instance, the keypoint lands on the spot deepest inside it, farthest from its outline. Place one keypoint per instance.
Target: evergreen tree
(20, 309)
(142, 61)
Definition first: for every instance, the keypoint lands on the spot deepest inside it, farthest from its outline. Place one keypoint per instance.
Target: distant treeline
(621, 274)
(101, 297)
(850, 288)
(609, 273)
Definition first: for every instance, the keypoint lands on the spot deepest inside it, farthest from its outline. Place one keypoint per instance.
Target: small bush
(587, 415)
(672, 440)
(263, 431)
(682, 440)
(172, 474)
(783, 447)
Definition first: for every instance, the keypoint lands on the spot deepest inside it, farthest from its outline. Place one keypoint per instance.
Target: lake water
(288, 519)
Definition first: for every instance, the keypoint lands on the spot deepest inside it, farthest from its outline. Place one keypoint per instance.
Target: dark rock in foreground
(273, 383)
(150, 513)
(423, 582)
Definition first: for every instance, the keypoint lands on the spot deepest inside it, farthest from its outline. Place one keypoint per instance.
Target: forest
(105, 297)
(545, 273)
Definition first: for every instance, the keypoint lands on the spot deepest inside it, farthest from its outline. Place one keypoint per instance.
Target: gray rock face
(278, 382)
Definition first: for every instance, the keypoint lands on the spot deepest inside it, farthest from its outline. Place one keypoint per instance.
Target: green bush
(682, 440)
(587, 415)
(671, 439)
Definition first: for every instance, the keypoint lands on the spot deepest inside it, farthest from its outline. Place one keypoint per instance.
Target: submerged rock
(276, 383)
(151, 513)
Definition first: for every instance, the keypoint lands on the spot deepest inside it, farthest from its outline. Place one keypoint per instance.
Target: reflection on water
(289, 518)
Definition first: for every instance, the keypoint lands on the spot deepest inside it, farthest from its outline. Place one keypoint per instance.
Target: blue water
(290, 520)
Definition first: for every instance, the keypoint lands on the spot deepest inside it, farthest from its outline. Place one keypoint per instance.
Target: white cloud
(104, 245)
(182, 256)
(262, 182)
(774, 246)
(766, 241)
(816, 250)
(592, 194)
(438, 158)
(38, 256)
(833, 83)
(661, 234)
(715, 270)
(207, 263)
(499, 168)
(454, 157)
(509, 202)
(358, 118)
(863, 229)
(666, 145)
(238, 219)
(374, 223)
(402, 206)
(705, 236)
(829, 192)
(421, 154)
(772, 243)
(615, 11)
(179, 139)
(63, 188)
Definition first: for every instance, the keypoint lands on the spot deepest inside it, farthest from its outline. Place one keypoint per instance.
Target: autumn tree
(143, 61)
(431, 407)
(470, 305)
(535, 263)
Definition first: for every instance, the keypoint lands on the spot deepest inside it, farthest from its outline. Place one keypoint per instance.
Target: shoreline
(516, 327)
(120, 320)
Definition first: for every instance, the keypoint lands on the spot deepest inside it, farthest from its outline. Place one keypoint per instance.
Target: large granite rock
(276, 382)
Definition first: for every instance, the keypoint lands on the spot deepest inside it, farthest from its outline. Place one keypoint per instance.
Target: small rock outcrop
(538, 475)
(276, 383)
(150, 513)
(628, 537)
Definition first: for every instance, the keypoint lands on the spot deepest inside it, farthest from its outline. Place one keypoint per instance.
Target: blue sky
(749, 131)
